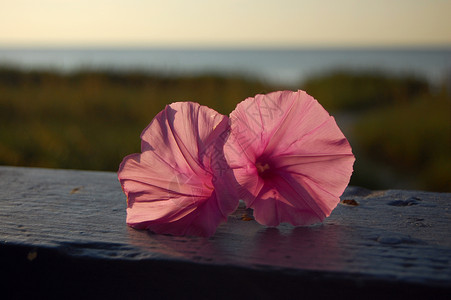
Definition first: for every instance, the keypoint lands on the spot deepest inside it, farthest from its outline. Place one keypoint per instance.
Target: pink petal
(171, 186)
(183, 132)
(201, 222)
(289, 157)
(273, 206)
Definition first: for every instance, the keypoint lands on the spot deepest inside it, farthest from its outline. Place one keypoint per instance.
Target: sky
(225, 23)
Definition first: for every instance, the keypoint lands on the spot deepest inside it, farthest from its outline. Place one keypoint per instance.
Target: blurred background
(80, 80)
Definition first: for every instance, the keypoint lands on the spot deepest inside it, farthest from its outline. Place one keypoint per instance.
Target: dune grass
(344, 90)
(414, 137)
(92, 119)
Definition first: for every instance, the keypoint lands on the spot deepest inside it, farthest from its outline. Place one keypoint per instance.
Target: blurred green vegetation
(92, 119)
(356, 91)
(399, 129)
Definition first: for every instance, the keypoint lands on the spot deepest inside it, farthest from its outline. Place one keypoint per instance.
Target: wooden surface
(63, 232)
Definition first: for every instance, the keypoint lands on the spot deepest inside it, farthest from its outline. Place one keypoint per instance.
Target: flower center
(264, 169)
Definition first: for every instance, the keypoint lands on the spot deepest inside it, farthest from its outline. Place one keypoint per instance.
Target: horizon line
(156, 46)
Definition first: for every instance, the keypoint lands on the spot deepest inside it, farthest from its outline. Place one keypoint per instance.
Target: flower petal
(152, 194)
(171, 186)
(202, 221)
(294, 146)
(273, 206)
(183, 132)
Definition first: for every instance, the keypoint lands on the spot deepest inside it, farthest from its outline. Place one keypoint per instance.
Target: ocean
(288, 67)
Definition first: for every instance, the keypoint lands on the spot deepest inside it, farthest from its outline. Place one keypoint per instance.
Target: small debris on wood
(76, 190)
(246, 217)
(350, 202)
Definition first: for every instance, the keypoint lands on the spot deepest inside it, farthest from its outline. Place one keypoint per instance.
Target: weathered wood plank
(65, 230)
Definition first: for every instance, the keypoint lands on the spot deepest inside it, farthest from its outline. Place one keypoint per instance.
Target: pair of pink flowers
(281, 153)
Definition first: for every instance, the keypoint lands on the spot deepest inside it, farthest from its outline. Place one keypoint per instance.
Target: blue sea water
(288, 67)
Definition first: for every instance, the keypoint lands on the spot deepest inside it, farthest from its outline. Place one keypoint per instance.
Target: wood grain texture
(64, 230)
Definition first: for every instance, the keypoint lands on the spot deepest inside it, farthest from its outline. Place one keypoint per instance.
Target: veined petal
(303, 115)
(171, 186)
(156, 191)
(273, 208)
(183, 132)
(296, 149)
(201, 221)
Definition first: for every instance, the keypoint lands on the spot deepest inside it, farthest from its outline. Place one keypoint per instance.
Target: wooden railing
(63, 233)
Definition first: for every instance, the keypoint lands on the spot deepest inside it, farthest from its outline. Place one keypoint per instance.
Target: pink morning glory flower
(179, 184)
(289, 157)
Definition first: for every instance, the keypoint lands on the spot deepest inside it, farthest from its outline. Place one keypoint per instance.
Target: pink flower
(289, 157)
(171, 186)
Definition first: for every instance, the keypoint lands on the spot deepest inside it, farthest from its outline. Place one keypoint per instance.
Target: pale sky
(233, 23)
